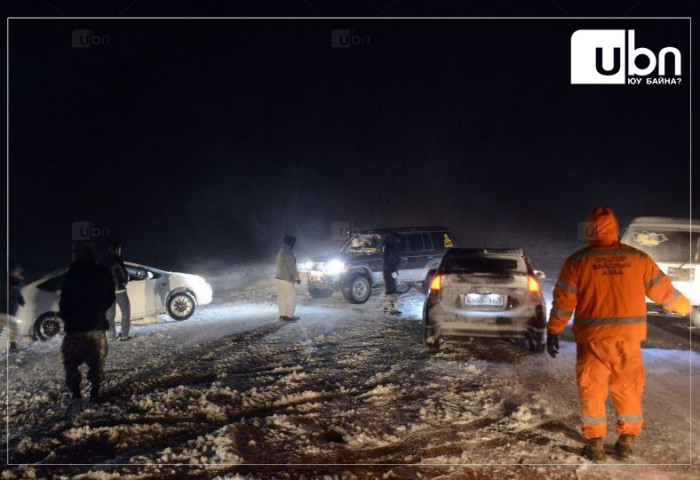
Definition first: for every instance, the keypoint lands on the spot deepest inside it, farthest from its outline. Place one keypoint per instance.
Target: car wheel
(181, 306)
(535, 343)
(320, 292)
(47, 326)
(430, 341)
(357, 289)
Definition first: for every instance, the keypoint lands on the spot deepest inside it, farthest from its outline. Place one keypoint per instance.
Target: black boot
(594, 450)
(625, 446)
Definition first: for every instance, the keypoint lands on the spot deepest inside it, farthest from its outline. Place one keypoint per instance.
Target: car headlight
(307, 266)
(334, 267)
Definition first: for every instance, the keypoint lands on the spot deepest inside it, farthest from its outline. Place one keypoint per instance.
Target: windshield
(459, 263)
(666, 246)
(363, 243)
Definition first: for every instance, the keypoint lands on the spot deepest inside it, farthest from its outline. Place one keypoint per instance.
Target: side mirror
(540, 274)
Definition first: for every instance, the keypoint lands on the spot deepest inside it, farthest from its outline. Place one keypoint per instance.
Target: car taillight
(533, 286)
(434, 291)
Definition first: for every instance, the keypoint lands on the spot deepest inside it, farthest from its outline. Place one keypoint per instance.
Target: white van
(674, 244)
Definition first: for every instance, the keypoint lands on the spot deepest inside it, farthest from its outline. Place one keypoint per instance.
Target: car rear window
(441, 240)
(415, 242)
(475, 264)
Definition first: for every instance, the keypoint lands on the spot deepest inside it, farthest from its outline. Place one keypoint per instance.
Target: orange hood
(602, 227)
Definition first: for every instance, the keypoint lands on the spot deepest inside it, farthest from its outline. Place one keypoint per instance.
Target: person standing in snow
(114, 263)
(286, 275)
(390, 270)
(88, 291)
(605, 286)
(15, 300)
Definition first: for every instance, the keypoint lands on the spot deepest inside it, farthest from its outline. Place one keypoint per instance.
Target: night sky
(203, 142)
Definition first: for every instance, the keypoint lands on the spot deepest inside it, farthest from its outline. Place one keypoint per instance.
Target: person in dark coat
(15, 300)
(391, 259)
(113, 261)
(88, 291)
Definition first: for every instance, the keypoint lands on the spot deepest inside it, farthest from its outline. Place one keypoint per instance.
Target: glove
(552, 345)
(695, 316)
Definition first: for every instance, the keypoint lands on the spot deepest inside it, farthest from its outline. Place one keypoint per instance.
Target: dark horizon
(206, 141)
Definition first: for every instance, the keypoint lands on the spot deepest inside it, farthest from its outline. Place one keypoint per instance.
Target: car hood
(343, 257)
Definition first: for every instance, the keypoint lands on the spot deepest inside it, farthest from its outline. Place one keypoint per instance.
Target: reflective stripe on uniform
(608, 321)
(675, 296)
(593, 419)
(560, 313)
(567, 287)
(654, 280)
(630, 418)
(593, 253)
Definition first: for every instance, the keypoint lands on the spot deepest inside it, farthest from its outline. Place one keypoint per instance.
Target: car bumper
(516, 323)
(323, 281)
(204, 295)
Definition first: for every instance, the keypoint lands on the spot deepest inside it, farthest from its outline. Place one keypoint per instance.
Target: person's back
(390, 254)
(285, 264)
(607, 283)
(605, 286)
(88, 291)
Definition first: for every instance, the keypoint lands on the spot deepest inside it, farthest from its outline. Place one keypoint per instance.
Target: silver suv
(357, 267)
(485, 293)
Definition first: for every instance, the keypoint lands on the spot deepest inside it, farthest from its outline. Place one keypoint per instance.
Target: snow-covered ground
(236, 392)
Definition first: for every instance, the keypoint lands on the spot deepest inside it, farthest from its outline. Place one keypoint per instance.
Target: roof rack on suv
(500, 251)
(402, 229)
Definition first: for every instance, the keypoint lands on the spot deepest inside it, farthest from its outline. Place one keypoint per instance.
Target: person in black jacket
(88, 291)
(113, 261)
(15, 300)
(391, 258)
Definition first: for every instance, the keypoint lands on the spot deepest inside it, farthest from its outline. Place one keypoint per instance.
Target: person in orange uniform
(605, 286)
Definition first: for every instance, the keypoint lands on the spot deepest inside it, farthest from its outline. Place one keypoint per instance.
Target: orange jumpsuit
(605, 286)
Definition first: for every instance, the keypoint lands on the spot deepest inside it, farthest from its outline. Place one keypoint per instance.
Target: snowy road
(344, 385)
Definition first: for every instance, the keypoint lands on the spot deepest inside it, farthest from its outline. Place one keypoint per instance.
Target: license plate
(478, 300)
(315, 276)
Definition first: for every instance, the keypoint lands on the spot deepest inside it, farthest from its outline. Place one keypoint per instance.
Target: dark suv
(358, 266)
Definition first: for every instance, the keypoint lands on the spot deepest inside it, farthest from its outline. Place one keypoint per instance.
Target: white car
(669, 242)
(479, 292)
(151, 292)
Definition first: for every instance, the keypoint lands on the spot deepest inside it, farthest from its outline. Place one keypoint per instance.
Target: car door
(417, 254)
(157, 290)
(138, 291)
(402, 246)
(47, 295)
